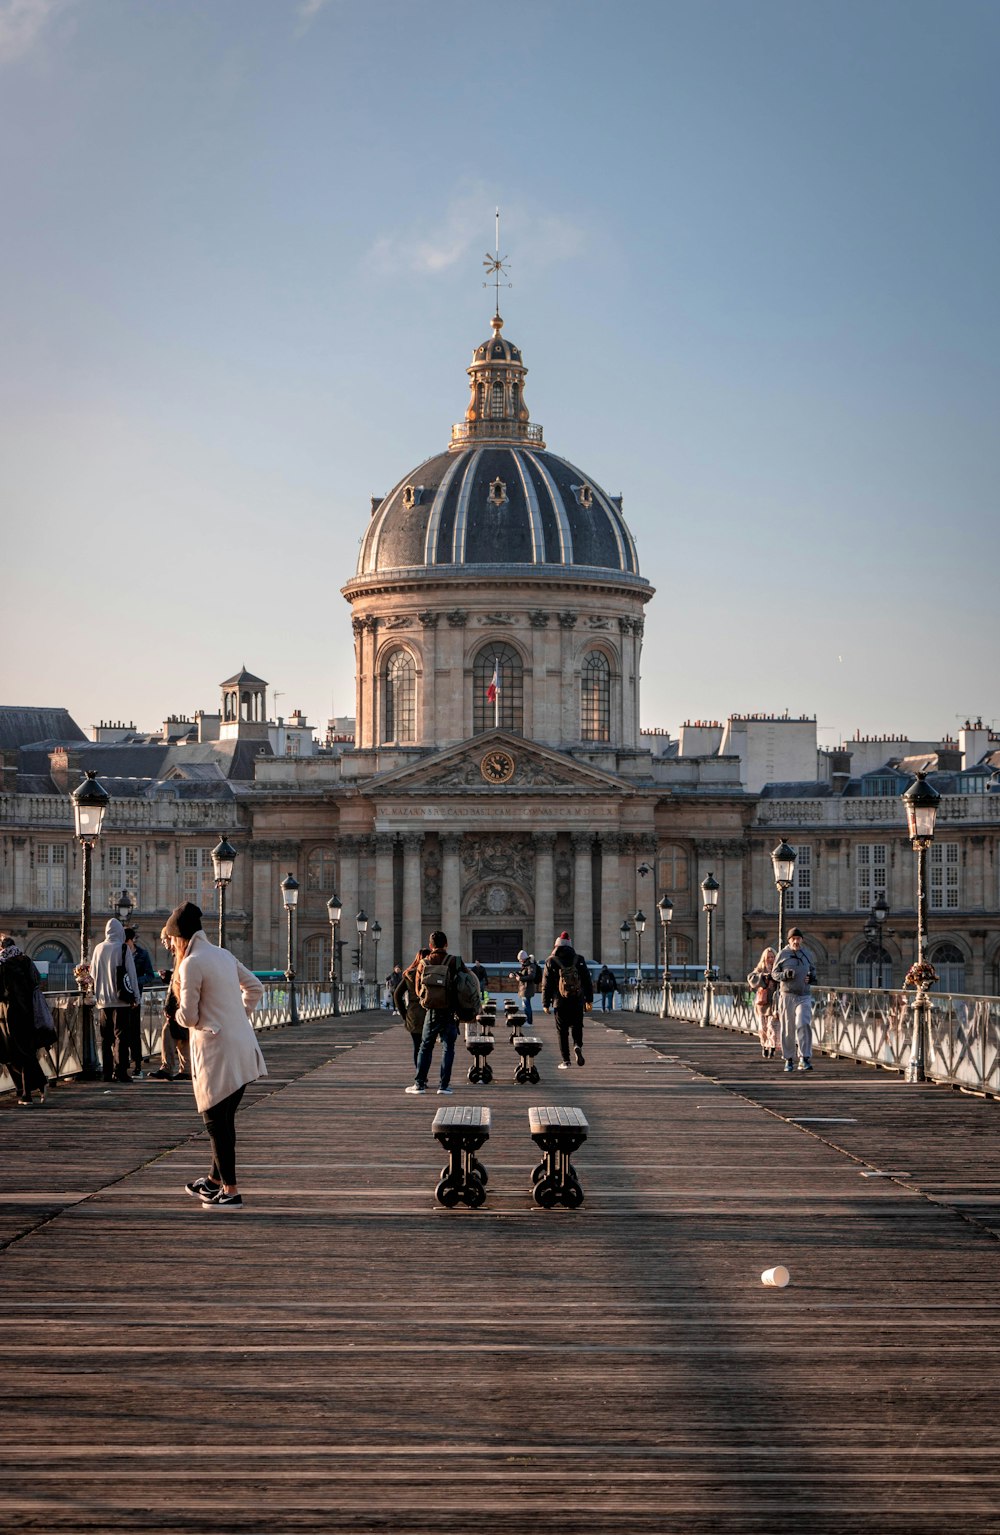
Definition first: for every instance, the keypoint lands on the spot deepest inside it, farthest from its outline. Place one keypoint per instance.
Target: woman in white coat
(215, 995)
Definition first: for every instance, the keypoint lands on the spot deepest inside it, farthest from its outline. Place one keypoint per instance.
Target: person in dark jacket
(18, 1040)
(407, 1004)
(607, 986)
(568, 990)
(146, 976)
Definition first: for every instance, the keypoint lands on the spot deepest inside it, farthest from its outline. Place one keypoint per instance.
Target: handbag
(45, 1028)
(123, 982)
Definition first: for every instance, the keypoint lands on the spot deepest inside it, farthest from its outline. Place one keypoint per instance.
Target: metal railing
(876, 1027)
(71, 1017)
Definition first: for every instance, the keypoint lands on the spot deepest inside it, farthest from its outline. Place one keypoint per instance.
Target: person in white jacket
(105, 962)
(216, 995)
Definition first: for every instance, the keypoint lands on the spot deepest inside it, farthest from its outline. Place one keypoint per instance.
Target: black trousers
(220, 1122)
(114, 1042)
(133, 1036)
(569, 1023)
(27, 1076)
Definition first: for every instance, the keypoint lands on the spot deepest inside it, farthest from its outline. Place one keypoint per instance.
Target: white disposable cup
(778, 1277)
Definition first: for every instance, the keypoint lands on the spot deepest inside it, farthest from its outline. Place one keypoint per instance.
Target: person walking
(435, 982)
(568, 989)
(607, 986)
(479, 971)
(392, 980)
(215, 997)
(526, 976)
(408, 1006)
(18, 1038)
(146, 976)
(174, 1064)
(116, 990)
(765, 1002)
(794, 972)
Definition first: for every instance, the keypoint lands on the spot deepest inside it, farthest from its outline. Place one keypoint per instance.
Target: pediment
(459, 769)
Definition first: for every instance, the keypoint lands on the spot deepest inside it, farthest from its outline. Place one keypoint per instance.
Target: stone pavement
(347, 1356)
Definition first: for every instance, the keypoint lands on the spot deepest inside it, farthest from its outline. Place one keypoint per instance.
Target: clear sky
(754, 247)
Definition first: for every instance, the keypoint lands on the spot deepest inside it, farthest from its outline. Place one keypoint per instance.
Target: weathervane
(496, 266)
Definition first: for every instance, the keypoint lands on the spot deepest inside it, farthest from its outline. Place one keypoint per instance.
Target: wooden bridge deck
(347, 1356)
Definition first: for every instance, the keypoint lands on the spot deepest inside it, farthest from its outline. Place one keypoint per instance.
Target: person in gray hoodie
(105, 962)
(793, 970)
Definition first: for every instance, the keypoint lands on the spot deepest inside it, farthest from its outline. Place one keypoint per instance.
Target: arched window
(321, 871)
(949, 962)
(56, 963)
(316, 958)
(595, 697)
(496, 401)
(507, 710)
(873, 967)
(481, 400)
(399, 689)
(681, 949)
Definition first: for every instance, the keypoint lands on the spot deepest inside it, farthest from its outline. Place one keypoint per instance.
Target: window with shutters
(870, 862)
(943, 864)
(800, 896)
(50, 876)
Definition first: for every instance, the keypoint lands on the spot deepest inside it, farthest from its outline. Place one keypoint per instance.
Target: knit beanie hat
(563, 938)
(184, 921)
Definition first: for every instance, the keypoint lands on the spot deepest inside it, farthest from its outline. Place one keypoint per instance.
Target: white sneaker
(414, 1087)
(448, 1090)
(563, 1066)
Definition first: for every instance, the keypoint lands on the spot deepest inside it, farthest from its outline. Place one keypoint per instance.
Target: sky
(754, 254)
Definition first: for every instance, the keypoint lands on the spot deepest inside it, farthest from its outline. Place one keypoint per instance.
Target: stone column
(451, 889)
(612, 910)
(265, 953)
(583, 894)
(413, 927)
(427, 697)
(164, 854)
(23, 896)
(348, 889)
(384, 905)
(545, 842)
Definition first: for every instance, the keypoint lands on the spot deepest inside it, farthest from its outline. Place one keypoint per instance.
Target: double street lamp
(223, 859)
(710, 899)
(920, 801)
(90, 801)
(665, 907)
(783, 862)
(362, 920)
(334, 910)
(290, 896)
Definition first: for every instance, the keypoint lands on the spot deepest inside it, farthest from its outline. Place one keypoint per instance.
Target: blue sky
(754, 249)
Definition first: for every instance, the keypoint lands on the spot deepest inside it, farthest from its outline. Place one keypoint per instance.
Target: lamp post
(223, 859)
(639, 923)
(362, 920)
(625, 932)
(376, 935)
(334, 910)
(920, 802)
(644, 869)
(783, 862)
(710, 899)
(665, 907)
(90, 800)
(123, 905)
(290, 896)
(880, 911)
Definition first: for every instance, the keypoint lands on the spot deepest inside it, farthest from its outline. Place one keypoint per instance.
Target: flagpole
(496, 694)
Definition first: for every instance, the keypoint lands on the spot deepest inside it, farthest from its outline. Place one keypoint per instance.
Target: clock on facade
(497, 767)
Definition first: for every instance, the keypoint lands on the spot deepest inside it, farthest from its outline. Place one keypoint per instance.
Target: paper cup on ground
(777, 1277)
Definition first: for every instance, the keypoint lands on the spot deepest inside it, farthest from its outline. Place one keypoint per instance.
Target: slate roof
(21, 726)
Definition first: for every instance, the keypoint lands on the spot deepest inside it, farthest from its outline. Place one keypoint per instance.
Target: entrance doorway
(496, 946)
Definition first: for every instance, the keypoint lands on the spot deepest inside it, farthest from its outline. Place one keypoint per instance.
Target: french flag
(493, 691)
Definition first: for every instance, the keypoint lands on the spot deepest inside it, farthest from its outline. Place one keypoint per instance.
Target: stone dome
(497, 496)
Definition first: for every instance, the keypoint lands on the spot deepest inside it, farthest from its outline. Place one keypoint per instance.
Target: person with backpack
(568, 989)
(448, 992)
(607, 986)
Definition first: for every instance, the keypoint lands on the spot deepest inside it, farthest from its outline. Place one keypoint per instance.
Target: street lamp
(223, 859)
(334, 910)
(362, 921)
(783, 861)
(920, 802)
(710, 899)
(665, 907)
(880, 911)
(376, 935)
(639, 921)
(90, 800)
(626, 932)
(124, 905)
(643, 869)
(290, 896)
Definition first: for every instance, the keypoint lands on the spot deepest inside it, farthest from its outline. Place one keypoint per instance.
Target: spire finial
(496, 267)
